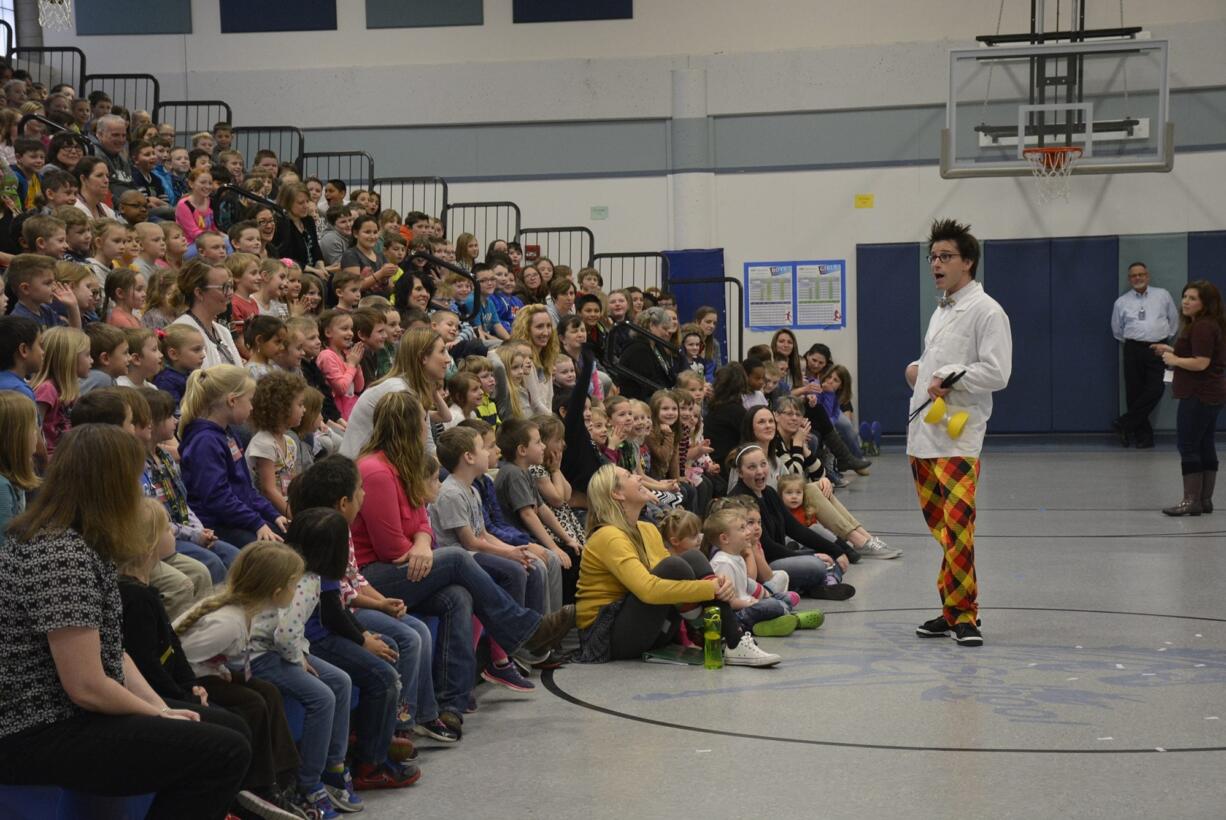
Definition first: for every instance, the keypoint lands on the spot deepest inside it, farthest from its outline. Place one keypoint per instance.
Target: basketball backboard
(1108, 98)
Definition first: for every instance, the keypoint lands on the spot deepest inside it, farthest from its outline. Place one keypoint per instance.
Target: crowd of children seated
(249, 455)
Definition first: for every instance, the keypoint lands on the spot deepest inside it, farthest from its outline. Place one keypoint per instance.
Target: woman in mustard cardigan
(632, 594)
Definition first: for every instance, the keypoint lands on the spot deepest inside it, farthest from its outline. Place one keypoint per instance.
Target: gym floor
(1100, 690)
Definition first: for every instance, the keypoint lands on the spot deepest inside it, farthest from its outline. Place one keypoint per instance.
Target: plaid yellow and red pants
(946, 489)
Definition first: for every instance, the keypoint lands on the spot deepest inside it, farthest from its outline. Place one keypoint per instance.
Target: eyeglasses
(225, 289)
(266, 222)
(786, 413)
(944, 257)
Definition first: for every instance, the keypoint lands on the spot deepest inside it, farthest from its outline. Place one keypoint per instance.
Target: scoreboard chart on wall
(805, 294)
(770, 290)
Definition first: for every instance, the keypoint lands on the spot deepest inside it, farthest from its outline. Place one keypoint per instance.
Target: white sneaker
(876, 548)
(748, 653)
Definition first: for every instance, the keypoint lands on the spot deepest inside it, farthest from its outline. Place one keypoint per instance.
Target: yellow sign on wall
(864, 200)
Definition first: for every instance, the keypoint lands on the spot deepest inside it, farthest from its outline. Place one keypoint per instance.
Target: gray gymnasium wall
(804, 140)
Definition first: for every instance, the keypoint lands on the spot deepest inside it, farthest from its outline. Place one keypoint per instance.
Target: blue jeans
(763, 610)
(1195, 428)
(379, 684)
(848, 433)
(805, 572)
(325, 699)
(217, 556)
(416, 648)
(455, 589)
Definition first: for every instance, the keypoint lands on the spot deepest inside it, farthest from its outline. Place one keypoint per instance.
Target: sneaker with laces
(936, 628)
(453, 722)
(318, 804)
(967, 635)
(436, 730)
(257, 806)
(779, 627)
(385, 776)
(339, 786)
(876, 548)
(748, 653)
(507, 675)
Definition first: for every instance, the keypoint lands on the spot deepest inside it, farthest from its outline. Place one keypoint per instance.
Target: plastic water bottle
(713, 639)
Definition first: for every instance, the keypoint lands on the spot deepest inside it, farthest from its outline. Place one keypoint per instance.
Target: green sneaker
(809, 619)
(779, 627)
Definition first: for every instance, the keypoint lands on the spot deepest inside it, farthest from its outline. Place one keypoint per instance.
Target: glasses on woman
(226, 288)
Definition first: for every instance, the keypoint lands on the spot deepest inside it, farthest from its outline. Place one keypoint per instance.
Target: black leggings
(1196, 426)
(195, 768)
(819, 419)
(274, 755)
(640, 626)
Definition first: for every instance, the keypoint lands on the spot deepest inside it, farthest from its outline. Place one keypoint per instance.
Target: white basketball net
(1052, 169)
(55, 15)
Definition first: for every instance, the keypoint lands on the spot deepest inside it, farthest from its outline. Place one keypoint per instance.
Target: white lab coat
(973, 335)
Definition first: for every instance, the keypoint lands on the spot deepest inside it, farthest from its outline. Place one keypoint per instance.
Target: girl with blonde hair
(18, 441)
(57, 385)
(219, 485)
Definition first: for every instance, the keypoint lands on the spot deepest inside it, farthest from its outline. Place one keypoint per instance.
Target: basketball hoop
(55, 15)
(1052, 166)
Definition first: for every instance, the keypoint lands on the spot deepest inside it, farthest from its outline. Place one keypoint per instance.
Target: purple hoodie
(219, 486)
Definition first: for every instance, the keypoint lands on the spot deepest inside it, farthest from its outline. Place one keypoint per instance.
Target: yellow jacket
(611, 568)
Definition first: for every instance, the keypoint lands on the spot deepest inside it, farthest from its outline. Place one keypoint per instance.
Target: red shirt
(386, 524)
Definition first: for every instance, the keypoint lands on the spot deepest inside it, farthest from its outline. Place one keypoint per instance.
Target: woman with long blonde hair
(419, 367)
(631, 590)
(534, 326)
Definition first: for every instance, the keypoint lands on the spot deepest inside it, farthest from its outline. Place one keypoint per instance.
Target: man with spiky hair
(968, 334)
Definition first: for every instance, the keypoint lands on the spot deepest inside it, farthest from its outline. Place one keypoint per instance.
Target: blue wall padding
(301, 15)
(1021, 281)
(1084, 356)
(888, 331)
(133, 17)
(421, 13)
(1207, 260)
(558, 11)
(700, 264)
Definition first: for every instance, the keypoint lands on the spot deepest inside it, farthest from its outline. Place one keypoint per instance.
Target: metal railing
(642, 270)
(354, 168)
(192, 116)
(405, 194)
(571, 246)
(135, 92)
(485, 220)
(51, 65)
(729, 319)
(285, 141)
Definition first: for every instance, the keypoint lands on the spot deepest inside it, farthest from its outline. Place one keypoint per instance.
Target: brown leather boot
(1191, 505)
(1206, 491)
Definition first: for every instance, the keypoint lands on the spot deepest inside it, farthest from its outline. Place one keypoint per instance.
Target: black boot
(1192, 484)
(843, 456)
(1206, 491)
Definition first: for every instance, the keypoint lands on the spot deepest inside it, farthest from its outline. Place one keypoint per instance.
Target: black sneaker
(936, 628)
(833, 592)
(967, 635)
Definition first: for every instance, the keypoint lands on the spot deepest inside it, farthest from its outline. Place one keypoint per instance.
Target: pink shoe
(794, 599)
